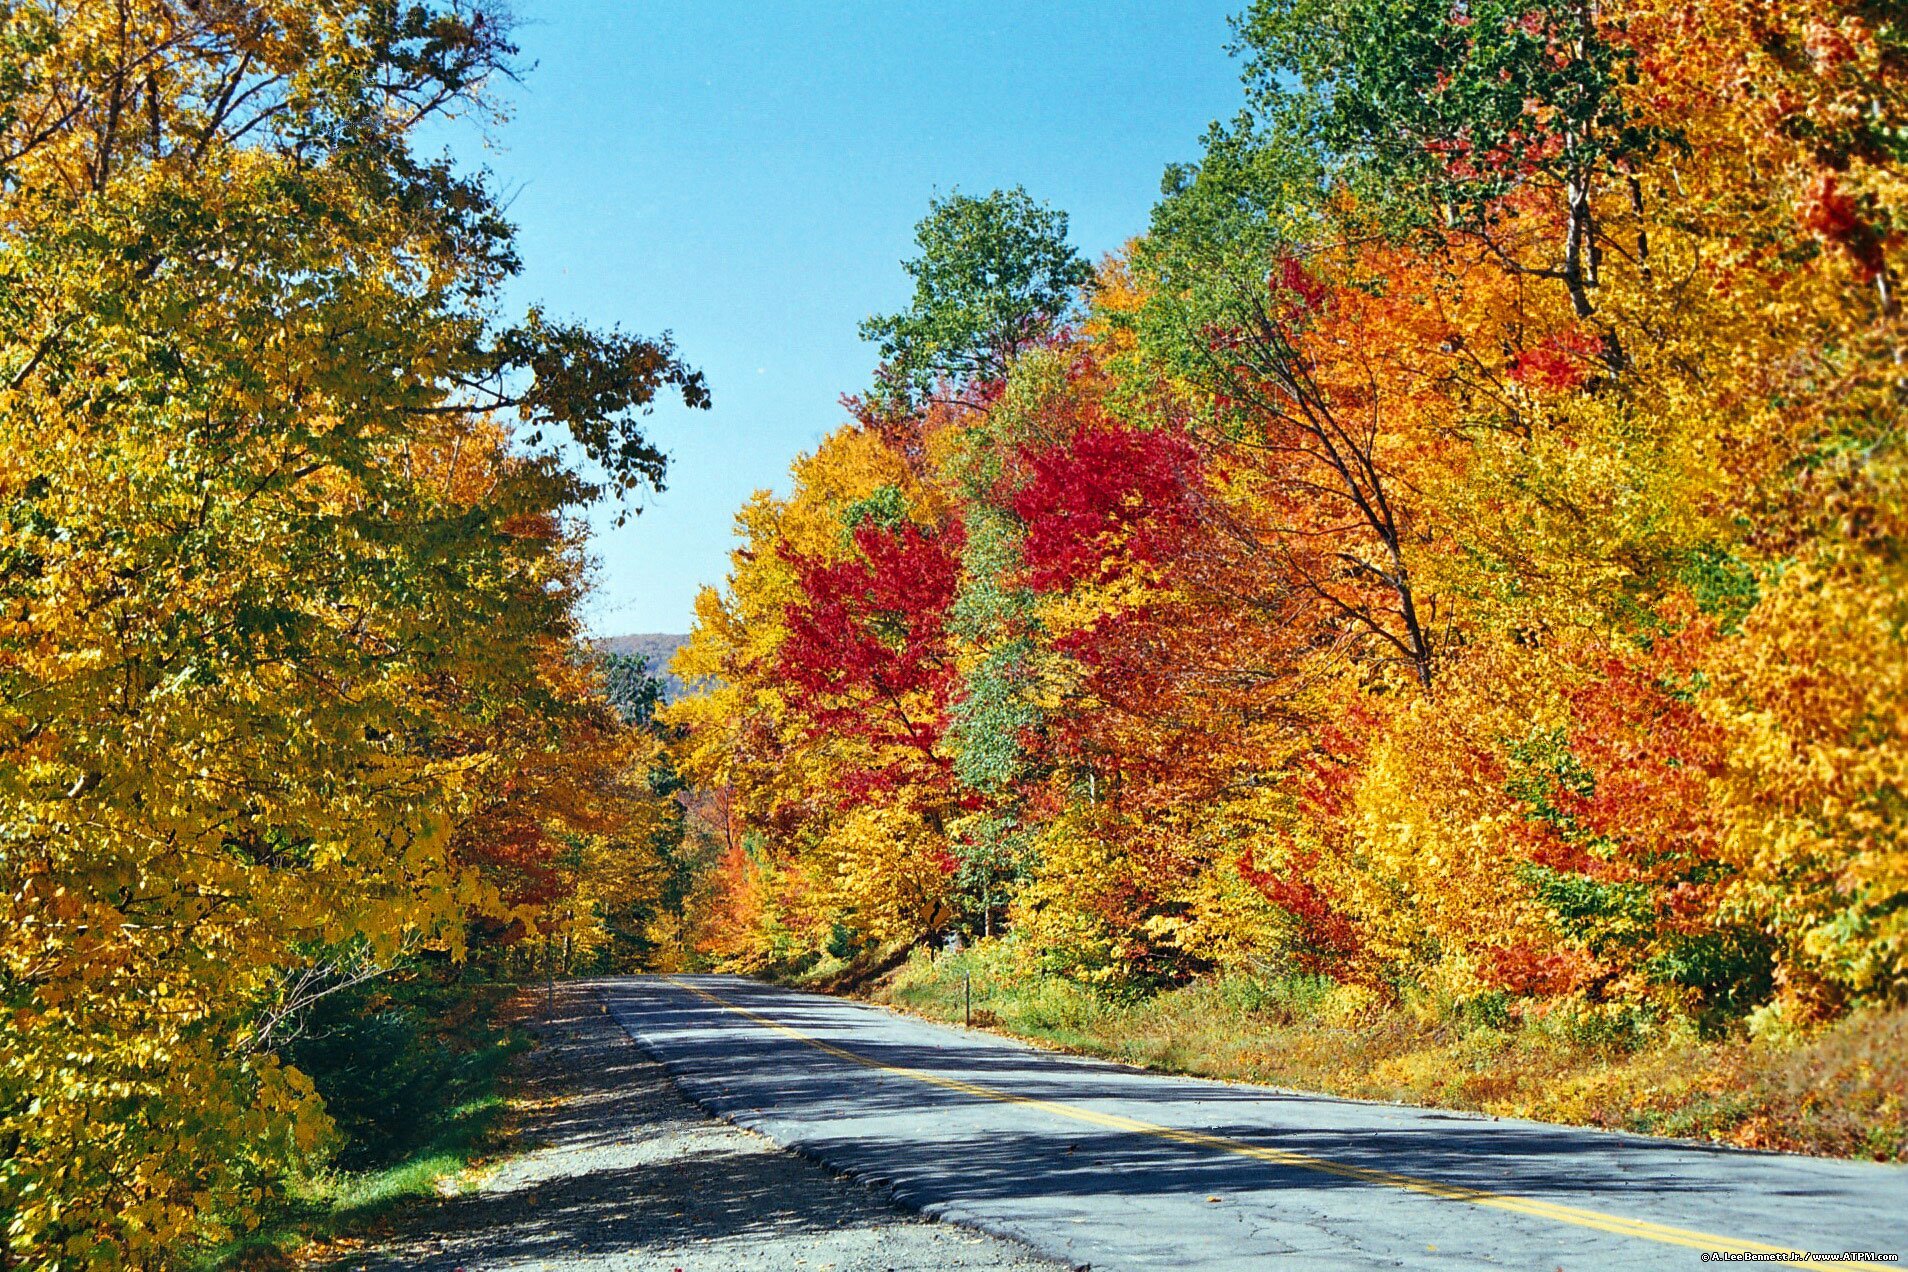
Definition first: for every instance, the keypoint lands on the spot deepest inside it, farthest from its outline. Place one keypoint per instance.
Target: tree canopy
(289, 690)
(1455, 551)
(995, 275)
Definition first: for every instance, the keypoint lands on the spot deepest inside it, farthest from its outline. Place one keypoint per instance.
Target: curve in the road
(971, 1127)
(1577, 1216)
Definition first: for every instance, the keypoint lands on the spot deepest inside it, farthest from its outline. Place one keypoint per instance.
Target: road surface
(1101, 1165)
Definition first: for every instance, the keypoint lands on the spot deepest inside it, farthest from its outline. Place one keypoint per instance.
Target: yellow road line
(1553, 1211)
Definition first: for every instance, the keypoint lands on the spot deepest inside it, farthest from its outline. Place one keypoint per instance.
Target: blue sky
(748, 175)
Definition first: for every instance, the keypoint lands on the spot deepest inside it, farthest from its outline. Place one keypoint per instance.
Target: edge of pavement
(1311, 1093)
(713, 1097)
(715, 1101)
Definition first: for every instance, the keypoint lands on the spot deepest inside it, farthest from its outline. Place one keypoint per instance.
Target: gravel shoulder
(613, 1169)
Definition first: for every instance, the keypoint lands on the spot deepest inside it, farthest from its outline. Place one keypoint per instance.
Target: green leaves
(995, 275)
(598, 386)
(885, 509)
(1257, 197)
(1423, 103)
(1722, 584)
(630, 688)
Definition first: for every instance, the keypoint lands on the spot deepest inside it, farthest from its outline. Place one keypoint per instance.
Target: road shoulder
(614, 1169)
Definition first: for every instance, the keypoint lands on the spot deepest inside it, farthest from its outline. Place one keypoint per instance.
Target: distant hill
(657, 647)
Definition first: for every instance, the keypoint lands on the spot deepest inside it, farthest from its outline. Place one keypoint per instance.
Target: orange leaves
(1815, 96)
(1526, 970)
(1460, 580)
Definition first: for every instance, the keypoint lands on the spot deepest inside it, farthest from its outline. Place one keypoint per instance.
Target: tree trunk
(1574, 248)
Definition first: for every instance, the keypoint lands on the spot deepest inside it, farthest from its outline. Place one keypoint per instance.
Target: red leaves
(1829, 211)
(867, 650)
(1331, 770)
(1834, 215)
(1654, 754)
(1296, 281)
(1110, 495)
(1645, 757)
(1325, 935)
(874, 620)
(1559, 363)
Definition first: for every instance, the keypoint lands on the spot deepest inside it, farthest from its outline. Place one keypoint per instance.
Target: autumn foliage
(291, 691)
(1457, 550)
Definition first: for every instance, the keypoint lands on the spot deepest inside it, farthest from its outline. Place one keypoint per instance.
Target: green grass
(1839, 1091)
(466, 1133)
(412, 1072)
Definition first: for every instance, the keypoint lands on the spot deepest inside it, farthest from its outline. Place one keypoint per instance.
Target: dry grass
(1840, 1092)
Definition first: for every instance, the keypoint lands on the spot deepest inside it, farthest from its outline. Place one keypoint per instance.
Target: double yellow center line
(1573, 1215)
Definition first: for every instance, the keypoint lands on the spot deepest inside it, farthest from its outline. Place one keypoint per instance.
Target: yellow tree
(284, 602)
(752, 737)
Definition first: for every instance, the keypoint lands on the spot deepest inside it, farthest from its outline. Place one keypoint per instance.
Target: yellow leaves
(851, 464)
(881, 870)
(275, 647)
(1079, 608)
(1816, 687)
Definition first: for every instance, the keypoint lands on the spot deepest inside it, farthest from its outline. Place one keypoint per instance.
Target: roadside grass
(851, 975)
(1840, 1092)
(412, 1072)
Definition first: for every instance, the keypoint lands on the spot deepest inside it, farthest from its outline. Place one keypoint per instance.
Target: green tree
(631, 689)
(995, 274)
(1426, 108)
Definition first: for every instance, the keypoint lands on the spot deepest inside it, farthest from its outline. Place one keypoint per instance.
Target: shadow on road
(618, 1171)
(808, 1088)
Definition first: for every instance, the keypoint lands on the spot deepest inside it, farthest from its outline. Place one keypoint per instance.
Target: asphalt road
(1102, 1165)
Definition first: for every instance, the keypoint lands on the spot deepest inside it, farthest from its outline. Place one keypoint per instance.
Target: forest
(1450, 563)
(1440, 591)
